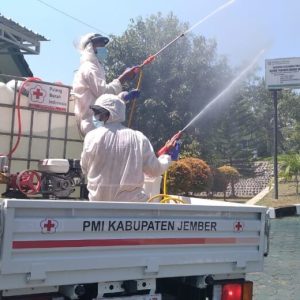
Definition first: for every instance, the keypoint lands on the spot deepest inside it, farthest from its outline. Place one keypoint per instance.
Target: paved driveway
(281, 277)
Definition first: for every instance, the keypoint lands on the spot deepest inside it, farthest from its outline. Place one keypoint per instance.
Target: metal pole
(275, 145)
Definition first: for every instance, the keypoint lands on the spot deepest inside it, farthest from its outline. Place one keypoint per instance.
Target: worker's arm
(96, 81)
(87, 154)
(153, 166)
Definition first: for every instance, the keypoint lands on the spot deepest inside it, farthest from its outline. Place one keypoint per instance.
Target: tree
(183, 79)
(290, 167)
(231, 176)
(261, 105)
(179, 83)
(191, 149)
(290, 120)
(220, 183)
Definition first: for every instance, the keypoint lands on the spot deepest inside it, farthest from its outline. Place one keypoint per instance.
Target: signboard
(283, 73)
(46, 96)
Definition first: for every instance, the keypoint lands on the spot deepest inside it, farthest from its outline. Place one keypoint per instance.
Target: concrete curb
(286, 211)
(259, 196)
(279, 212)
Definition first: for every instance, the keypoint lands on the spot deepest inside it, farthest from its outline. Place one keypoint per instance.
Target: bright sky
(241, 30)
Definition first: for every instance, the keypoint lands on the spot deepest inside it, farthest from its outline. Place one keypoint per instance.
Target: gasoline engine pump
(54, 179)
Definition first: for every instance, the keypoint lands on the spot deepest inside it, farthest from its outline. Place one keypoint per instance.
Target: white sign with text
(46, 96)
(283, 73)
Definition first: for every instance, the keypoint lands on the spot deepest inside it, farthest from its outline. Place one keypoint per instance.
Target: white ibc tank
(6, 94)
(152, 185)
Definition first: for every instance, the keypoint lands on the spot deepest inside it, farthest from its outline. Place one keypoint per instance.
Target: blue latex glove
(133, 94)
(174, 152)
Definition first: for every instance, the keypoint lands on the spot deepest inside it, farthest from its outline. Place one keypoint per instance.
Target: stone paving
(281, 277)
(249, 187)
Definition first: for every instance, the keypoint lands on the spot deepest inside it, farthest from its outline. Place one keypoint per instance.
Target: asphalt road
(281, 277)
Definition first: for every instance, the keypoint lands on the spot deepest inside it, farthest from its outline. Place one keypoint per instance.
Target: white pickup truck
(66, 249)
(62, 249)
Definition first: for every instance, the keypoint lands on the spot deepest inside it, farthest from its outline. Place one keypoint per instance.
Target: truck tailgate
(63, 242)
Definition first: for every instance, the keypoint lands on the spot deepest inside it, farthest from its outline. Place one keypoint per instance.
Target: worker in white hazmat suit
(89, 81)
(115, 158)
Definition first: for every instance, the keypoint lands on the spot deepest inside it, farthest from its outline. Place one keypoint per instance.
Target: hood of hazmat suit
(116, 158)
(89, 84)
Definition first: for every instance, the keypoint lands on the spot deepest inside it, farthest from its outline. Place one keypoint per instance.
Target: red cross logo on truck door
(48, 225)
(238, 226)
(37, 94)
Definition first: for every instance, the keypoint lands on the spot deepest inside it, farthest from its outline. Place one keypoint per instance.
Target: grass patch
(286, 196)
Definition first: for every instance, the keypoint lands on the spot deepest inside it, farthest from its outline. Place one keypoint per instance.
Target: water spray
(171, 142)
(152, 57)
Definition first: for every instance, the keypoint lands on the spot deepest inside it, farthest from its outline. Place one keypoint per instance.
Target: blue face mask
(97, 123)
(101, 53)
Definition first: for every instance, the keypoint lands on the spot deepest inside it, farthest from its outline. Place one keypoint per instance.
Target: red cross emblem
(49, 225)
(238, 226)
(37, 94)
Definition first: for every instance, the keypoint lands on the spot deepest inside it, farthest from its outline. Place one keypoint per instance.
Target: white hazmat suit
(90, 83)
(115, 158)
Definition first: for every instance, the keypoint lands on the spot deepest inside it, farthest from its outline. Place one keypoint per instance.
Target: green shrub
(231, 176)
(230, 173)
(179, 178)
(189, 175)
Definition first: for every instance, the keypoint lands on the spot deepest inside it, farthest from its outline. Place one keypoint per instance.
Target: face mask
(101, 53)
(97, 123)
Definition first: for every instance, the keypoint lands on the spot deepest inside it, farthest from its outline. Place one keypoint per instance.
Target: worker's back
(115, 158)
(115, 167)
(118, 157)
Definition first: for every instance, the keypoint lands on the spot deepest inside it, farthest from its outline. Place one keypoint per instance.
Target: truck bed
(47, 243)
